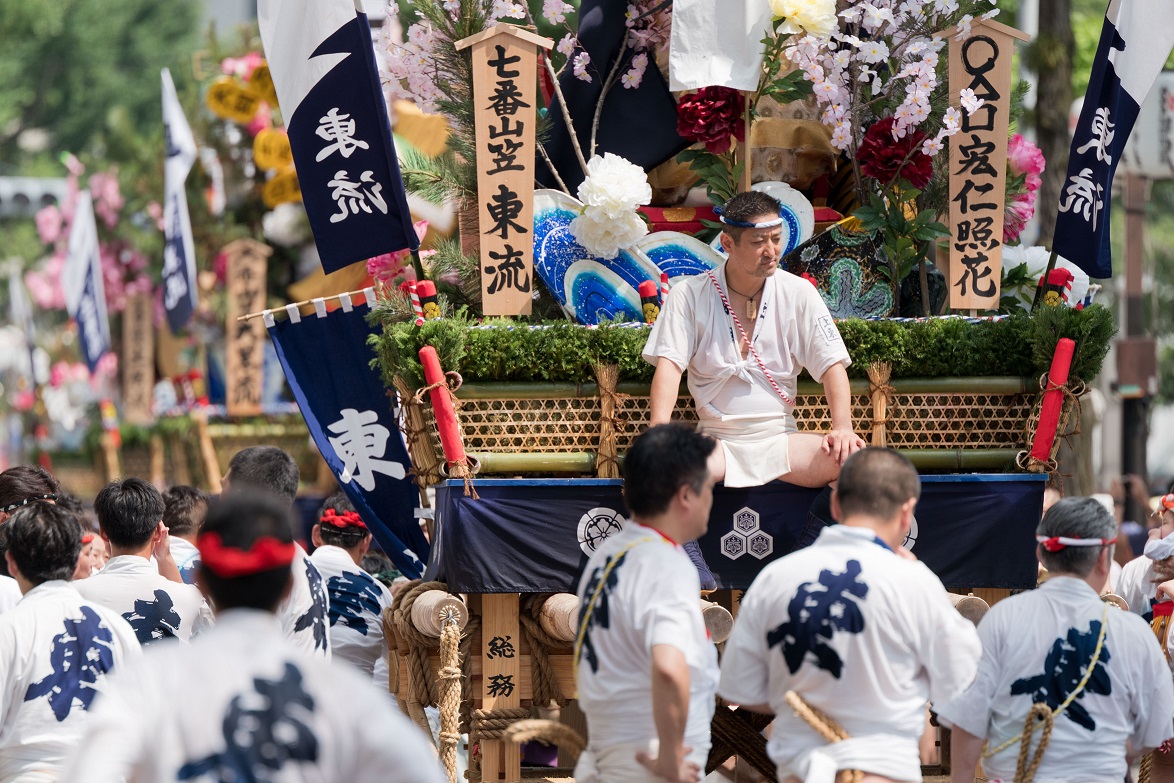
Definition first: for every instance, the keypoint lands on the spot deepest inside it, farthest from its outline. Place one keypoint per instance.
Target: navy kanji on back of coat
(315, 616)
(80, 655)
(599, 612)
(1064, 668)
(815, 613)
(353, 597)
(154, 620)
(263, 731)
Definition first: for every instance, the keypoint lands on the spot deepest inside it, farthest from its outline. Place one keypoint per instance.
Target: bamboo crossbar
(303, 303)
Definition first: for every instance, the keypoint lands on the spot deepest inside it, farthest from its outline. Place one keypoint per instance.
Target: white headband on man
(1056, 543)
(745, 224)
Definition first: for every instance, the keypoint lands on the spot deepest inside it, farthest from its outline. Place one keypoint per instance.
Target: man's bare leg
(810, 465)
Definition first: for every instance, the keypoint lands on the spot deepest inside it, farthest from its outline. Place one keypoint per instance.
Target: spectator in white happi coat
(304, 612)
(1087, 671)
(132, 583)
(56, 648)
(646, 666)
(20, 486)
(851, 636)
(243, 701)
(357, 599)
(184, 509)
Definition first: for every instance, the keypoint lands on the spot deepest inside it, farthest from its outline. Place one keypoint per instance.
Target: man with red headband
(1087, 670)
(242, 702)
(304, 613)
(357, 599)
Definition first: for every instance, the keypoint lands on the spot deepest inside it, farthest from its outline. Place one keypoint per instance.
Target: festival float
(515, 352)
(582, 162)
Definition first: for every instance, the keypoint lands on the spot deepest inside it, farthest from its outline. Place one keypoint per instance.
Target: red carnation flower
(884, 158)
(710, 116)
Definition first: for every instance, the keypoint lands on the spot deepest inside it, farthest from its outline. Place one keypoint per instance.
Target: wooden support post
(207, 452)
(500, 681)
(746, 156)
(179, 461)
(110, 457)
(158, 463)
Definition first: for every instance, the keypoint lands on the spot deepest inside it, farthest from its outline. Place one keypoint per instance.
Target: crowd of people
(189, 638)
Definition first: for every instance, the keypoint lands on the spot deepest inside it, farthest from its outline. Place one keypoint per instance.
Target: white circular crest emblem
(911, 536)
(596, 526)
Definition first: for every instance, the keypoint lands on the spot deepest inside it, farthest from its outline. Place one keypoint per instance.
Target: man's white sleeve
(112, 745)
(1154, 717)
(672, 336)
(820, 345)
(970, 709)
(745, 677)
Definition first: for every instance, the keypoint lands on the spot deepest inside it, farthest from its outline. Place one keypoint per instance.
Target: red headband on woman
(228, 562)
(345, 519)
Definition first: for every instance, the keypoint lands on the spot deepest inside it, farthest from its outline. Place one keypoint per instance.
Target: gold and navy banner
(353, 421)
(535, 535)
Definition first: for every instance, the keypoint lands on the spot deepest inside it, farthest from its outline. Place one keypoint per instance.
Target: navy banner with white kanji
(81, 279)
(1135, 42)
(534, 536)
(353, 423)
(323, 66)
(179, 249)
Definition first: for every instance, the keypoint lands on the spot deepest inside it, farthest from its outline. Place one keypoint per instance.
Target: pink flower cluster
(124, 268)
(241, 67)
(1024, 159)
(389, 266)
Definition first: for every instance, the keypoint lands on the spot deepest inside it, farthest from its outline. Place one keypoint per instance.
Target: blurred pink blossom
(23, 400)
(107, 367)
(155, 211)
(49, 224)
(1024, 158)
(63, 373)
(241, 67)
(1020, 209)
(108, 201)
(44, 284)
(261, 120)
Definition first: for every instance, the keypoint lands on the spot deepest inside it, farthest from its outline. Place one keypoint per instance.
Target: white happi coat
(357, 603)
(735, 401)
(1037, 646)
(304, 615)
(650, 598)
(56, 651)
(187, 558)
(1138, 585)
(242, 703)
(155, 607)
(862, 635)
(9, 593)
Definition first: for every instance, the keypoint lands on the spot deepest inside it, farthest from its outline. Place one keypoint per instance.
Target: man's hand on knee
(840, 444)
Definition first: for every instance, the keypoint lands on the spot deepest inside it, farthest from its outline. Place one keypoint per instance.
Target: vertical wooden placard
(244, 364)
(138, 359)
(505, 99)
(501, 680)
(978, 163)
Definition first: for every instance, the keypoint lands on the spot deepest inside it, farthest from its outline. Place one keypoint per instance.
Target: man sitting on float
(744, 332)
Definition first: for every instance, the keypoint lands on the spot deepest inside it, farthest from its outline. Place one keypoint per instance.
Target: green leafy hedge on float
(505, 350)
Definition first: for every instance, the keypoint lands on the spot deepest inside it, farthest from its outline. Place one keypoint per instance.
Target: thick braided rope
(1039, 714)
(824, 725)
(491, 724)
(546, 689)
(588, 610)
(1030, 726)
(787, 400)
(1143, 771)
(550, 732)
(450, 696)
(421, 681)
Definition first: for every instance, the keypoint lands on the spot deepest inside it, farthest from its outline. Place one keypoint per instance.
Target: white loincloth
(889, 755)
(618, 764)
(756, 449)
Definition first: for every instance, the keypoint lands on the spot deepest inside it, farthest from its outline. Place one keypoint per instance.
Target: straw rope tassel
(881, 392)
(825, 726)
(450, 695)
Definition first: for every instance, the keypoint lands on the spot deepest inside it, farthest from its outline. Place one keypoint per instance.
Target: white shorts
(756, 450)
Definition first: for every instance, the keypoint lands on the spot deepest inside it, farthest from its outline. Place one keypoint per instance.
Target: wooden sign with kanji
(245, 351)
(978, 162)
(138, 359)
(505, 97)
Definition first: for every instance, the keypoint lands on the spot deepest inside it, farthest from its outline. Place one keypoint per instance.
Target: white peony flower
(817, 17)
(615, 185)
(287, 225)
(605, 236)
